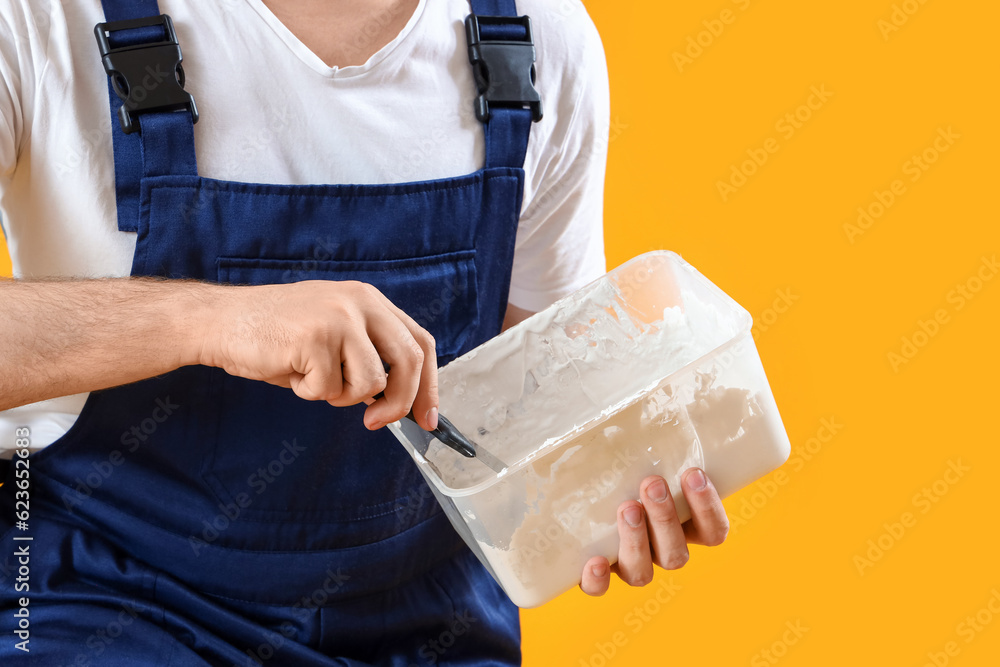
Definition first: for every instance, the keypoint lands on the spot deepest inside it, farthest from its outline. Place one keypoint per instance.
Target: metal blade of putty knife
(452, 437)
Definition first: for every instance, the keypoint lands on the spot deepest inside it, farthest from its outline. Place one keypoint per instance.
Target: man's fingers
(398, 348)
(286, 381)
(666, 535)
(635, 564)
(425, 404)
(709, 524)
(380, 335)
(363, 373)
(320, 378)
(596, 576)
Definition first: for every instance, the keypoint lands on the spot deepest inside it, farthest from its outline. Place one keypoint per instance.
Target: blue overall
(197, 518)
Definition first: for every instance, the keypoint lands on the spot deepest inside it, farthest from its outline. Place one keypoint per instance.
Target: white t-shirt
(273, 112)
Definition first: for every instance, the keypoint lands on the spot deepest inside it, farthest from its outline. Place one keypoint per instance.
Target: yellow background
(676, 133)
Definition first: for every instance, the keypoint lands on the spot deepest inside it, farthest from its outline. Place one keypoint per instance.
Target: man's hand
(650, 532)
(326, 341)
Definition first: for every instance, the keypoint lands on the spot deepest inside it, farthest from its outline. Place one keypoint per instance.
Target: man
(207, 483)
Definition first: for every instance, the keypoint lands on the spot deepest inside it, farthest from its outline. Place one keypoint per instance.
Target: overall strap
(493, 7)
(159, 141)
(501, 50)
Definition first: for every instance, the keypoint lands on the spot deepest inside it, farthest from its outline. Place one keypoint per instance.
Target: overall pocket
(281, 458)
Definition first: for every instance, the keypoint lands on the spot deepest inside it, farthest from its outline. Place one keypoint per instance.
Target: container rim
(743, 330)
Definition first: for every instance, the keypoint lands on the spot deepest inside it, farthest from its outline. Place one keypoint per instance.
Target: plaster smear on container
(559, 372)
(575, 403)
(571, 522)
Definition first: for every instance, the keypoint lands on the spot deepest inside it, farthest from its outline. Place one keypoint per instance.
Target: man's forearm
(65, 337)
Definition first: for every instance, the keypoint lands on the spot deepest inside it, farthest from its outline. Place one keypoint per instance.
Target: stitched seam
(229, 189)
(116, 510)
(226, 263)
(427, 573)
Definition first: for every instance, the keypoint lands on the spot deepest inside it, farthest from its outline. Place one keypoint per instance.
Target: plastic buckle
(504, 69)
(146, 76)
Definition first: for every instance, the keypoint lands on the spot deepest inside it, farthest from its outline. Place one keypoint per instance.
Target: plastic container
(650, 369)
